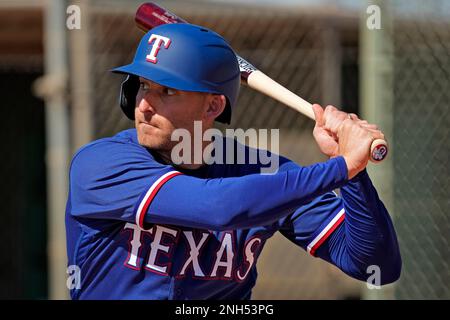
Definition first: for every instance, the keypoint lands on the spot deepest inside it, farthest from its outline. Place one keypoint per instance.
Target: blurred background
(58, 94)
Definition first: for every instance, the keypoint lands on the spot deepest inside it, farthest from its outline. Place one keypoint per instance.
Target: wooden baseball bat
(150, 15)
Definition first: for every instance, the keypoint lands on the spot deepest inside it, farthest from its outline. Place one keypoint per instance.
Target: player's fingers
(318, 114)
(353, 116)
(376, 134)
(333, 118)
(328, 113)
(333, 112)
(330, 108)
(369, 126)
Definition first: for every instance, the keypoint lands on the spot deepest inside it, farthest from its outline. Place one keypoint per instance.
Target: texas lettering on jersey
(155, 250)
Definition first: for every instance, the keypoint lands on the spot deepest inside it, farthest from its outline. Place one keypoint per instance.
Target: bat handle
(378, 150)
(262, 83)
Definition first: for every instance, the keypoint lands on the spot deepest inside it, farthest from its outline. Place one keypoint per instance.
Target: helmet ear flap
(128, 92)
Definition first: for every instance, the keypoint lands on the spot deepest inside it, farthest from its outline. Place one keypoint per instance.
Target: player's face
(160, 110)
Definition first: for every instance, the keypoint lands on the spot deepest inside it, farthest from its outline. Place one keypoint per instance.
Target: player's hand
(326, 140)
(327, 125)
(354, 144)
(333, 139)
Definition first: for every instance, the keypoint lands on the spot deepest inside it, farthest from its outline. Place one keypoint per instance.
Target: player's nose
(145, 106)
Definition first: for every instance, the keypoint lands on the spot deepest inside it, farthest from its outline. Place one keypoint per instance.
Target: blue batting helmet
(184, 57)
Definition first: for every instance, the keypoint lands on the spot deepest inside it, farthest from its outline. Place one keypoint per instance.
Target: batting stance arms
(162, 234)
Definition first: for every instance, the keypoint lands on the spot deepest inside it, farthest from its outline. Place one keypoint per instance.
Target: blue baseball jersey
(141, 229)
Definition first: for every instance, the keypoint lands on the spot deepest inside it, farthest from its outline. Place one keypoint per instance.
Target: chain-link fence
(422, 150)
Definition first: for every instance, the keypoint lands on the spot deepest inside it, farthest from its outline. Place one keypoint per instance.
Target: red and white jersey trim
(150, 195)
(326, 232)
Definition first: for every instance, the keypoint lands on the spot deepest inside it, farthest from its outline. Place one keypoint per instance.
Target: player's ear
(216, 105)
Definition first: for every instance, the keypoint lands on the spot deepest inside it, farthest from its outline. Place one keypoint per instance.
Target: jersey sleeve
(312, 224)
(110, 180)
(240, 202)
(352, 232)
(367, 238)
(107, 179)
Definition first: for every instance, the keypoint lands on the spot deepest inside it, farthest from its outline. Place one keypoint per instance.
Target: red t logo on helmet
(159, 40)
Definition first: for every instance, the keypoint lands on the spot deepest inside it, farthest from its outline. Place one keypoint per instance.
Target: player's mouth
(147, 128)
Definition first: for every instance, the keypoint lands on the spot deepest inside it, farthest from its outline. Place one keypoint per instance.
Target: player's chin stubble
(154, 138)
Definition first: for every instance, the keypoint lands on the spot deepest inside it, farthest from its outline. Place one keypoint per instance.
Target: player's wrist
(352, 168)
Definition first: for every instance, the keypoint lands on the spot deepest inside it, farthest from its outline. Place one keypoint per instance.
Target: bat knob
(378, 150)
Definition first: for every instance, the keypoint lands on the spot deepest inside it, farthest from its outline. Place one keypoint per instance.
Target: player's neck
(196, 160)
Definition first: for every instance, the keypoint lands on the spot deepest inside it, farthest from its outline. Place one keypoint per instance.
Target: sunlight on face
(160, 110)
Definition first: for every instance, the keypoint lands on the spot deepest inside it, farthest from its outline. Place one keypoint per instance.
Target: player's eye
(143, 86)
(169, 91)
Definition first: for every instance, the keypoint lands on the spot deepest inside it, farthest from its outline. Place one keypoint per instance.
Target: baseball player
(140, 227)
